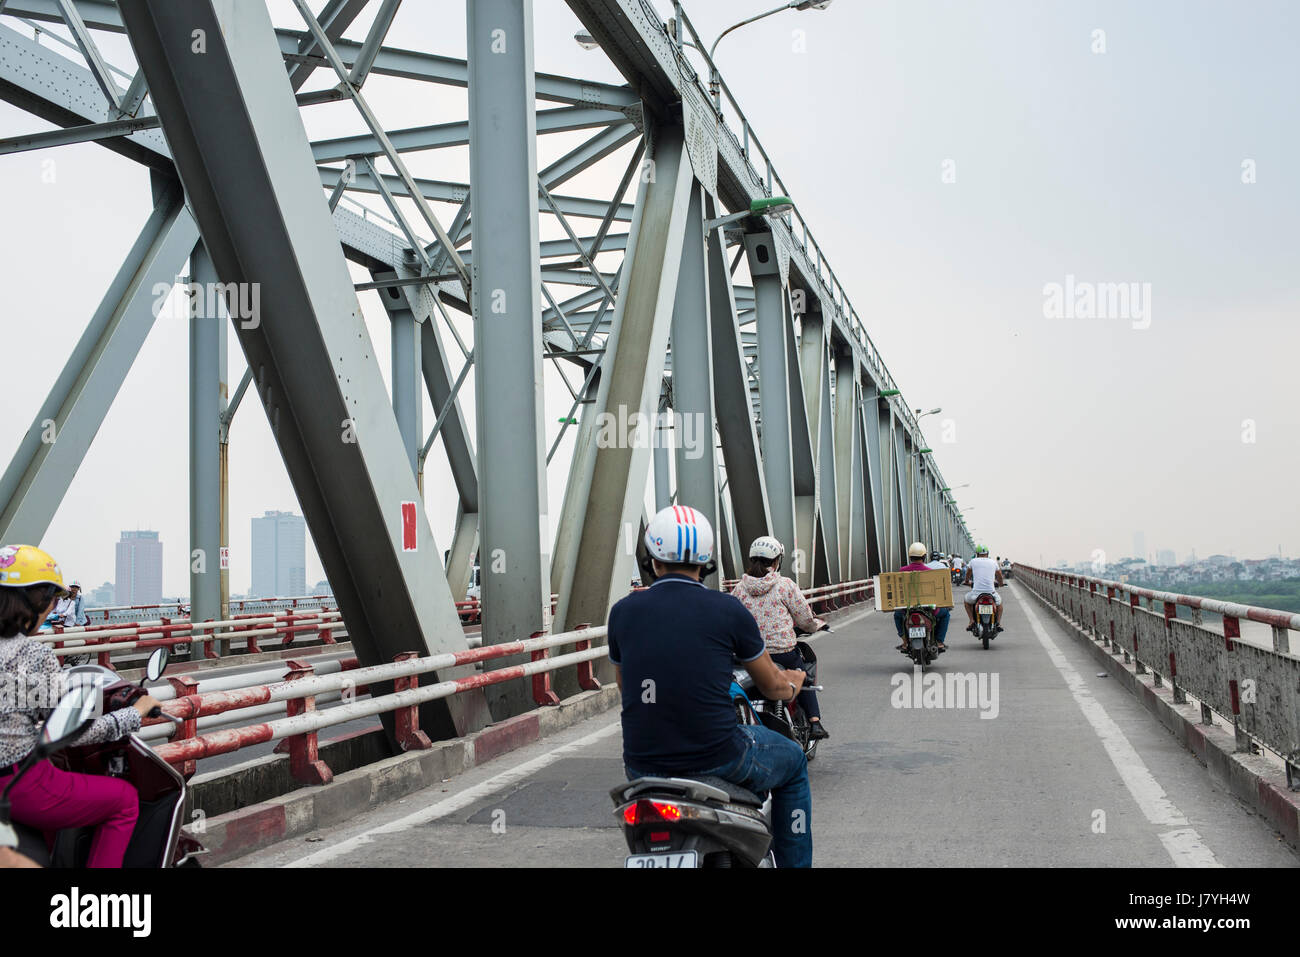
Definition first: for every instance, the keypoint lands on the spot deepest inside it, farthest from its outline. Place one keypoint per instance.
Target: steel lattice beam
(238, 143)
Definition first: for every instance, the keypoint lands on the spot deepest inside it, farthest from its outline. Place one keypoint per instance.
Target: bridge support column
(774, 398)
(404, 337)
(875, 480)
(514, 531)
(207, 478)
(810, 549)
(663, 474)
(238, 143)
(850, 487)
(815, 359)
(607, 481)
(746, 489)
(692, 366)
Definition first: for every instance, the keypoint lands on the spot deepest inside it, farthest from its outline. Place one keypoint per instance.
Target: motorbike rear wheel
(802, 728)
(986, 642)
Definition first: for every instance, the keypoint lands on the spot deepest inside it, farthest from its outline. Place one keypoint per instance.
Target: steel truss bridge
(807, 437)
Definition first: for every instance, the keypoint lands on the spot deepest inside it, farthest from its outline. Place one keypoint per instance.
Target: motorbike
(957, 576)
(786, 717)
(985, 618)
(157, 840)
(704, 821)
(921, 645)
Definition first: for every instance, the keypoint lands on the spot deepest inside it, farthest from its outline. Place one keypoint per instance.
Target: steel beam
(446, 135)
(607, 481)
(809, 546)
(746, 488)
(815, 373)
(828, 479)
(774, 393)
(238, 143)
(207, 403)
(848, 468)
(50, 453)
(404, 336)
(514, 530)
(692, 367)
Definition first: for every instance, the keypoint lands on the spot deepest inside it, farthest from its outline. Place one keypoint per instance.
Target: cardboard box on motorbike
(909, 589)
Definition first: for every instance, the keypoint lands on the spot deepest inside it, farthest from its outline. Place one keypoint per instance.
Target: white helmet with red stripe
(679, 535)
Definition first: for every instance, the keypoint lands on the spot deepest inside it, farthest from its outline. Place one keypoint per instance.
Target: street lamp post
(588, 42)
(715, 81)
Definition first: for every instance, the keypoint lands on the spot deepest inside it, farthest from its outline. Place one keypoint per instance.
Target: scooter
(157, 840)
(697, 822)
(985, 618)
(70, 717)
(786, 717)
(920, 644)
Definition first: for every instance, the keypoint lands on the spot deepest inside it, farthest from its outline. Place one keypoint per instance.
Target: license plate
(681, 859)
(917, 632)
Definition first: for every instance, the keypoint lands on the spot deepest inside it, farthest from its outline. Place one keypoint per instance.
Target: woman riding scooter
(47, 798)
(778, 606)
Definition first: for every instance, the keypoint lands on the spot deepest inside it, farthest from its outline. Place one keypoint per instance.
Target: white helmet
(916, 550)
(766, 547)
(679, 535)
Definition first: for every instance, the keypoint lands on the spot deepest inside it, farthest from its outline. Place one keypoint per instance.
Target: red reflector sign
(408, 526)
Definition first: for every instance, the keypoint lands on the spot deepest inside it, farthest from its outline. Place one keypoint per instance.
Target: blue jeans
(771, 762)
(940, 627)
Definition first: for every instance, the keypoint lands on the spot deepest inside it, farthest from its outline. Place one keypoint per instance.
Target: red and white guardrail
(303, 686)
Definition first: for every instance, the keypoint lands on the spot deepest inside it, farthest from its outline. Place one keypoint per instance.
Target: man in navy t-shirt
(674, 646)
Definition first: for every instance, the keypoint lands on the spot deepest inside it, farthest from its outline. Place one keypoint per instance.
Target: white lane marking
(841, 622)
(452, 804)
(1183, 844)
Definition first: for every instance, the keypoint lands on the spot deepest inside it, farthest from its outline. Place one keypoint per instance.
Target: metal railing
(119, 614)
(105, 640)
(1254, 688)
(302, 686)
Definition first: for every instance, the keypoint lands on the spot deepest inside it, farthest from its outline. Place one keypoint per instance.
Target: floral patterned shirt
(778, 606)
(30, 684)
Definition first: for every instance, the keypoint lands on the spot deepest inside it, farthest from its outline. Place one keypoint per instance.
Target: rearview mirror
(68, 718)
(157, 664)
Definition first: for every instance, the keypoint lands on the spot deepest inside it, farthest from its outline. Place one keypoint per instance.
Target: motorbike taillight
(646, 811)
(917, 619)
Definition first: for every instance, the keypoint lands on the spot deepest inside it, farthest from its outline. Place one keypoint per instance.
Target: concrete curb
(1251, 778)
(236, 833)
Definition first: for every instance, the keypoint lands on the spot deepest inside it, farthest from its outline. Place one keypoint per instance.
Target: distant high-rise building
(139, 569)
(1166, 557)
(279, 555)
(1139, 545)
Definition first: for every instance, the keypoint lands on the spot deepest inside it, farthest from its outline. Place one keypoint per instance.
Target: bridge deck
(892, 786)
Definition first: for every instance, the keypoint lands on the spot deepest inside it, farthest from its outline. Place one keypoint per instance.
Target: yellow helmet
(917, 550)
(24, 565)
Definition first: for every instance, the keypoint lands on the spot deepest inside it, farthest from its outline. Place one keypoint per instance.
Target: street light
(588, 42)
(715, 81)
(768, 206)
(921, 415)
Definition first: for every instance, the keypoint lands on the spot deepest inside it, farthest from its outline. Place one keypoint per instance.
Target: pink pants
(51, 800)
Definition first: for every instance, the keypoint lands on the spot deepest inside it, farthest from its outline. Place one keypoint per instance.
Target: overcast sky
(953, 160)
